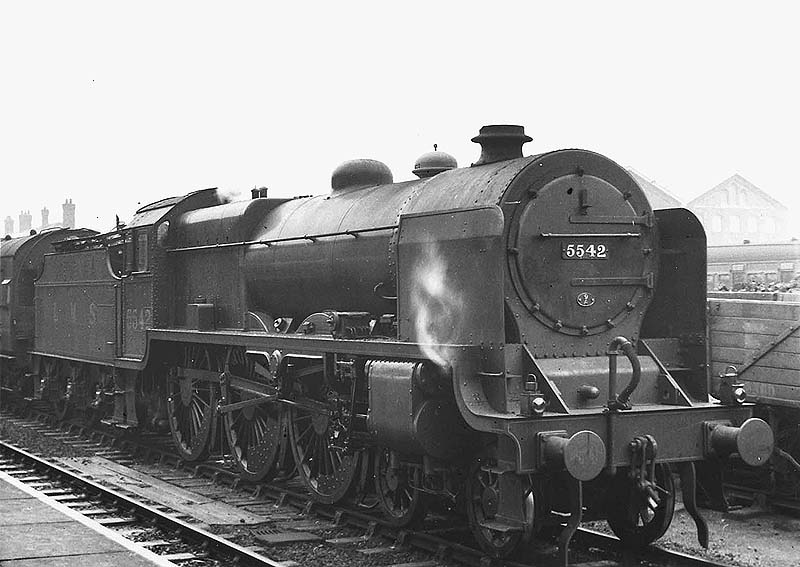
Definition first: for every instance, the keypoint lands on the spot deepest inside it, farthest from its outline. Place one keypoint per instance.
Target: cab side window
(129, 251)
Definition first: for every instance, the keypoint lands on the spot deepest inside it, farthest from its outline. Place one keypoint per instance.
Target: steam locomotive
(524, 338)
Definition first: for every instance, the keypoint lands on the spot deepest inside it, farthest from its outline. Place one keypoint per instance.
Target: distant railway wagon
(734, 267)
(759, 341)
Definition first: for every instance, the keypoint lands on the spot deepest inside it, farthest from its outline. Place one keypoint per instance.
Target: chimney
(500, 142)
(25, 219)
(69, 214)
(9, 225)
(260, 192)
(45, 218)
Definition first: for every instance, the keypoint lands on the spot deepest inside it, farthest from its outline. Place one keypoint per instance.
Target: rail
(243, 556)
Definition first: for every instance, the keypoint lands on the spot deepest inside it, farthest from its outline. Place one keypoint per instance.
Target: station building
(736, 211)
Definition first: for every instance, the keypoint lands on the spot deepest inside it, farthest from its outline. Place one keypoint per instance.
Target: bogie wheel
(257, 434)
(482, 498)
(401, 503)
(628, 517)
(191, 404)
(319, 426)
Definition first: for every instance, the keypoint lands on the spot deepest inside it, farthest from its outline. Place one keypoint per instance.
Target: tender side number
(582, 251)
(139, 319)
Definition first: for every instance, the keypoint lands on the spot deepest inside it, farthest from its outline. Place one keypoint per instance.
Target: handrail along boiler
(457, 336)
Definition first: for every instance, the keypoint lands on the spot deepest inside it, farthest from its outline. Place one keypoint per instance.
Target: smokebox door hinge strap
(646, 281)
(643, 220)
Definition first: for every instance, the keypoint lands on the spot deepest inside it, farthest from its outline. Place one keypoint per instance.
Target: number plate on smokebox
(583, 251)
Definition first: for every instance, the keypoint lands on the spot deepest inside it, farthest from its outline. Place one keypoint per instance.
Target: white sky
(119, 104)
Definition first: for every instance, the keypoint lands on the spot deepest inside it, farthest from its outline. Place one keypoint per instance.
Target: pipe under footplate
(753, 441)
(583, 454)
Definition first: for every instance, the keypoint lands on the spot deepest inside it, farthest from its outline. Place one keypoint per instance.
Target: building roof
(738, 179)
(658, 196)
(776, 251)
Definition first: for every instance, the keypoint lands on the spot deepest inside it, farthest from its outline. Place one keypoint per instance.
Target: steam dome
(433, 163)
(359, 173)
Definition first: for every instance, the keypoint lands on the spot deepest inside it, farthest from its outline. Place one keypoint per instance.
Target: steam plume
(437, 305)
(228, 195)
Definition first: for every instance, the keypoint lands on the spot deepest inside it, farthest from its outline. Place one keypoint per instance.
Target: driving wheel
(257, 433)
(191, 403)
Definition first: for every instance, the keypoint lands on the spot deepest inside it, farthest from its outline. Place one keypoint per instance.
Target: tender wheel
(482, 495)
(98, 404)
(13, 384)
(191, 405)
(257, 435)
(60, 388)
(629, 517)
(62, 405)
(318, 433)
(402, 504)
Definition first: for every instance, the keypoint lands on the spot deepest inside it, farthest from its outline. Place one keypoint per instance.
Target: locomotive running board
(300, 344)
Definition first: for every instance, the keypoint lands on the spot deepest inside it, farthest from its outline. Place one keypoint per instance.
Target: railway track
(174, 539)
(444, 541)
